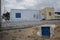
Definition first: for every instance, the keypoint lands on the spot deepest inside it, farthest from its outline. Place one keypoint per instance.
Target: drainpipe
(0, 15)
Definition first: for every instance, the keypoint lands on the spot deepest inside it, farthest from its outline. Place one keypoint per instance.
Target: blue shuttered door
(45, 31)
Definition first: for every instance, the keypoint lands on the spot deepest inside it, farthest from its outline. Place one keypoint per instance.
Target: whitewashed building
(25, 14)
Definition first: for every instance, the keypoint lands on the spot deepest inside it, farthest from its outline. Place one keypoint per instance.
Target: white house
(25, 14)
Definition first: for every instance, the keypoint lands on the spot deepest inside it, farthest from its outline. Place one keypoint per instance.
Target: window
(49, 13)
(18, 15)
(35, 16)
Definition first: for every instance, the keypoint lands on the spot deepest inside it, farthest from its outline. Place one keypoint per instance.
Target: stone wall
(46, 11)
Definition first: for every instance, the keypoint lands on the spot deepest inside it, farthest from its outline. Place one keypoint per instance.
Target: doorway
(45, 31)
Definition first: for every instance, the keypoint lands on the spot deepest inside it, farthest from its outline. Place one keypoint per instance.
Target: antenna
(4, 5)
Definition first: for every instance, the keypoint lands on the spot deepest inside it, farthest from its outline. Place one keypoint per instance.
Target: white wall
(26, 14)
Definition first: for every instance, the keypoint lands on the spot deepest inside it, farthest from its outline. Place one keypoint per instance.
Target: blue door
(45, 31)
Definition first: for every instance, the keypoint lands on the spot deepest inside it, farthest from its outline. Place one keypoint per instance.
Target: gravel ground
(27, 34)
(18, 34)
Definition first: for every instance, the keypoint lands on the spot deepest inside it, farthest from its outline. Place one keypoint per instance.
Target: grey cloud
(18, 1)
(35, 4)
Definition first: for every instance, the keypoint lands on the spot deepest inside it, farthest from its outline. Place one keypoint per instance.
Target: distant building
(48, 13)
(57, 15)
(25, 14)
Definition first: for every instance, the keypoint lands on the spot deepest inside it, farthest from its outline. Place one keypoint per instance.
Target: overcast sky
(30, 4)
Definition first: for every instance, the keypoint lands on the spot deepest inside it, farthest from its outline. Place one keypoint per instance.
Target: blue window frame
(18, 15)
(45, 31)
